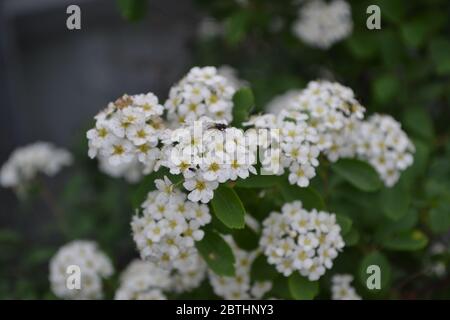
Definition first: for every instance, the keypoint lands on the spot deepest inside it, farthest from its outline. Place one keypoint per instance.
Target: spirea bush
(329, 161)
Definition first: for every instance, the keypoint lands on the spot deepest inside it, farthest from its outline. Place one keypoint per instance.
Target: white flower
(166, 231)
(94, 266)
(201, 214)
(166, 188)
(128, 131)
(143, 280)
(132, 171)
(303, 258)
(240, 285)
(119, 151)
(141, 134)
(155, 231)
(124, 119)
(149, 104)
(202, 92)
(321, 24)
(301, 240)
(281, 102)
(230, 74)
(330, 105)
(214, 169)
(292, 146)
(190, 272)
(381, 141)
(27, 162)
(98, 136)
(200, 189)
(207, 153)
(341, 288)
(301, 174)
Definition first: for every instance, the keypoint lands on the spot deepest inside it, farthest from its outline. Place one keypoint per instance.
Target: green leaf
(362, 45)
(351, 238)
(219, 226)
(406, 241)
(243, 101)
(236, 27)
(301, 288)
(417, 122)
(132, 10)
(345, 223)
(280, 288)
(378, 259)
(391, 47)
(419, 166)
(309, 197)
(358, 173)
(440, 55)
(39, 256)
(405, 223)
(393, 10)
(416, 31)
(258, 181)
(8, 236)
(261, 270)
(140, 192)
(217, 253)
(395, 201)
(228, 207)
(385, 88)
(246, 238)
(439, 218)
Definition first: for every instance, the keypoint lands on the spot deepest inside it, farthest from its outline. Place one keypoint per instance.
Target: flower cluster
(329, 105)
(322, 24)
(381, 141)
(168, 228)
(239, 286)
(292, 144)
(207, 153)
(128, 130)
(94, 267)
(341, 288)
(26, 162)
(332, 110)
(132, 171)
(191, 276)
(280, 102)
(143, 280)
(317, 119)
(231, 74)
(202, 92)
(337, 117)
(297, 239)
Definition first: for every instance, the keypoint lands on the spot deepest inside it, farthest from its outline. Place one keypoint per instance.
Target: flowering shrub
(275, 186)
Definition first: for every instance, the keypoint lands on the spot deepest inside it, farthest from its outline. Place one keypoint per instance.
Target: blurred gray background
(53, 80)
